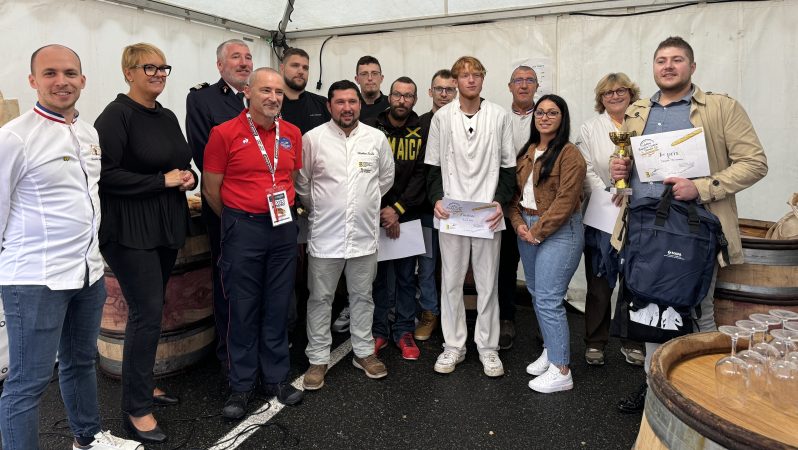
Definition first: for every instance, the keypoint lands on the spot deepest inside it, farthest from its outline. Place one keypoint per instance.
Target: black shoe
(506, 334)
(285, 393)
(154, 436)
(634, 402)
(236, 405)
(165, 400)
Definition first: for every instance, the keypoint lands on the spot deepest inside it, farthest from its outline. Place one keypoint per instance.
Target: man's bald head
(52, 47)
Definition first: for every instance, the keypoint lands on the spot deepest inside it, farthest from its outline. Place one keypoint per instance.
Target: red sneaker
(379, 344)
(408, 346)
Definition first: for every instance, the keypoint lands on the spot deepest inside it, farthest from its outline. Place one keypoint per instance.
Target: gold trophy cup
(623, 143)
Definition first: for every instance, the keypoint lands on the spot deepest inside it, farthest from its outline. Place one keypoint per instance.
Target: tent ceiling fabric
(325, 14)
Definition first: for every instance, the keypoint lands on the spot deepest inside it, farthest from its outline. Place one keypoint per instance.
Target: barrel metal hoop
(770, 257)
(787, 295)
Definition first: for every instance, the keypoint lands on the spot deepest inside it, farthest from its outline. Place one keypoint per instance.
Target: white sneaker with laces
(552, 381)
(104, 440)
(447, 361)
(540, 365)
(491, 364)
(341, 324)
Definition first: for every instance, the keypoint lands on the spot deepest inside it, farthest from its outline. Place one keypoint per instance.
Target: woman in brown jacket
(546, 215)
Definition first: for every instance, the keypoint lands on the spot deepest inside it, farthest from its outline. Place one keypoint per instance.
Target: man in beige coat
(736, 157)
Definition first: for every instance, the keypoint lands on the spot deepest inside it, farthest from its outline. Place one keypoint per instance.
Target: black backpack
(670, 251)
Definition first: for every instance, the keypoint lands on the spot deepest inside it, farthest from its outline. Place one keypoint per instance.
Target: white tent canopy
(742, 48)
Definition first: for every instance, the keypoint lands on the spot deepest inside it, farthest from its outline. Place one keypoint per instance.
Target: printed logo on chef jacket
(285, 144)
(366, 161)
(95, 151)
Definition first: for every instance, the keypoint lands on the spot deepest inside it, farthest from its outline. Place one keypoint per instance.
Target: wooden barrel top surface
(695, 378)
(683, 378)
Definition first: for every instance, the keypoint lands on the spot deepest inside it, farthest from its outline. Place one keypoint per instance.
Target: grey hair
(261, 69)
(521, 68)
(221, 50)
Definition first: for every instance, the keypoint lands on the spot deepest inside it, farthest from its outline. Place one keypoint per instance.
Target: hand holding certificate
(469, 219)
(681, 153)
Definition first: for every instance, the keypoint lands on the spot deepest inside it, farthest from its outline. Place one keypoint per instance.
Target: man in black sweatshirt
(400, 204)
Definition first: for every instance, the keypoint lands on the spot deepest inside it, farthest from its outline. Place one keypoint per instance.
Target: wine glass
(756, 363)
(783, 385)
(763, 347)
(791, 325)
(784, 315)
(730, 371)
(784, 341)
(768, 319)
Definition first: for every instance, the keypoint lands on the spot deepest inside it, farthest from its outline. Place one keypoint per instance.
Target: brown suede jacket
(557, 197)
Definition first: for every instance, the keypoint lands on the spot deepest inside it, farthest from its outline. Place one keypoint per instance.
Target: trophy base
(621, 191)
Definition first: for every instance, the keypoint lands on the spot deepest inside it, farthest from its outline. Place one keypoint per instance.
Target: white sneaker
(104, 440)
(448, 360)
(341, 324)
(540, 365)
(552, 381)
(491, 364)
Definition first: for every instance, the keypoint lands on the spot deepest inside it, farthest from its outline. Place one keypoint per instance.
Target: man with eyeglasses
(368, 75)
(443, 89)
(736, 161)
(206, 107)
(470, 151)
(401, 203)
(523, 85)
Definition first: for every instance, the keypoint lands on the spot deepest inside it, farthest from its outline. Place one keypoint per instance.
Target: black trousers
(258, 266)
(508, 272)
(142, 276)
(213, 226)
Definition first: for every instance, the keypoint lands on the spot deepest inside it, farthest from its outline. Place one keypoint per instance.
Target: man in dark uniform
(368, 75)
(401, 203)
(208, 106)
(304, 109)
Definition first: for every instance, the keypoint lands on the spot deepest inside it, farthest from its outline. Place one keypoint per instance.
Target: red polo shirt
(233, 152)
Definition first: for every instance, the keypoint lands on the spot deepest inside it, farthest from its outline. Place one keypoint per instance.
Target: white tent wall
(98, 32)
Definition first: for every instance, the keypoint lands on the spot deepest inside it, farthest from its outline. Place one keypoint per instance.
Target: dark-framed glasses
(440, 90)
(551, 114)
(520, 81)
(151, 69)
(620, 92)
(398, 95)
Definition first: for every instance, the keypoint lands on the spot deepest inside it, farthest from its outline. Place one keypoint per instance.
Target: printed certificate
(681, 153)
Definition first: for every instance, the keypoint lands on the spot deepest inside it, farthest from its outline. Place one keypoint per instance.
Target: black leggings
(142, 275)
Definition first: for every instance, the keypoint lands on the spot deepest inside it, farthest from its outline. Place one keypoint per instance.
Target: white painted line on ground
(268, 410)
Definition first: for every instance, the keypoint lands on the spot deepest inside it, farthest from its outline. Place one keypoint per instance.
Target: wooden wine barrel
(187, 326)
(767, 280)
(683, 411)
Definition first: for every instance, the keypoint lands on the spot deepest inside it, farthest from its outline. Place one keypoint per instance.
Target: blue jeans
(404, 299)
(426, 273)
(548, 268)
(41, 322)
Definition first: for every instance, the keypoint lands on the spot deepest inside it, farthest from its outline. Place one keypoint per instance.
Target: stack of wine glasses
(768, 369)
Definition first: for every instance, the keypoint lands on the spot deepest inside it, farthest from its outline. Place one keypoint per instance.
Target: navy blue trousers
(258, 265)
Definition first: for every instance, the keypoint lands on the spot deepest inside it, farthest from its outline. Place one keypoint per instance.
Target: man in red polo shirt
(248, 181)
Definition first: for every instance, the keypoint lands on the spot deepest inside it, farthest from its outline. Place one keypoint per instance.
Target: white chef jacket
(49, 205)
(341, 183)
(596, 147)
(470, 162)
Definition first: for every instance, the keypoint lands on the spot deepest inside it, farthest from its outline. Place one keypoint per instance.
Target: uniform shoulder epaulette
(199, 86)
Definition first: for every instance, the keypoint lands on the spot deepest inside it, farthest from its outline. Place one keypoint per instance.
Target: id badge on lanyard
(276, 197)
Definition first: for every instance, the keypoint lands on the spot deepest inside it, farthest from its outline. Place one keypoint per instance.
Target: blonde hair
(132, 54)
(467, 61)
(610, 80)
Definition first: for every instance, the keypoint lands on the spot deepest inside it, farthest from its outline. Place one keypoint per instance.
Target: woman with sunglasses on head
(546, 215)
(613, 94)
(145, 173)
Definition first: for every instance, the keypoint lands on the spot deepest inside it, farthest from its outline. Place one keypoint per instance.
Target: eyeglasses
(440, 90)
(620, 92)
(551, 114)
(398, 95)
(373, 74)
(151, 69)
(474, 75)
(520, 81)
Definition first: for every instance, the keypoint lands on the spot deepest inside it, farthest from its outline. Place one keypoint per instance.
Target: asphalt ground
(412, 408)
